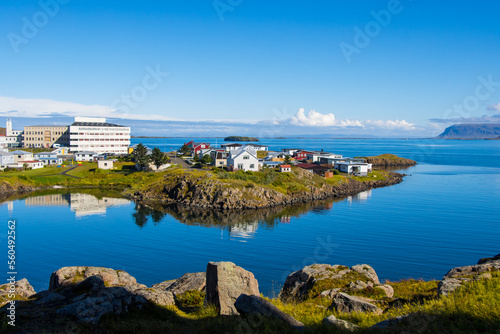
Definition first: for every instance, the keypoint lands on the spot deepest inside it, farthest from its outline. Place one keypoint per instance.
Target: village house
(85, 156)
(105, 164)
(245, 160)
(302, 155)
(231, 147)
(285, 168)
(6, 160)
(255, 147)
(290, 151)
(358, 169)
(32, 164)
(219, 158)
(22, 156)
(313, 168)
(49, 158)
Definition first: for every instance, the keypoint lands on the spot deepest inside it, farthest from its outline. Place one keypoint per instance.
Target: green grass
(475, 308)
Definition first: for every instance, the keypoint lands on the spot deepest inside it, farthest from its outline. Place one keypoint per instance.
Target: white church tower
(8, 127)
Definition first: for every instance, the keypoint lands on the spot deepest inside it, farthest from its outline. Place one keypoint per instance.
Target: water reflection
(81, 204)
(362, 197)
(241, 224)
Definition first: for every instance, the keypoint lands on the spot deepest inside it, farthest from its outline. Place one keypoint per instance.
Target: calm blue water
(445, 214)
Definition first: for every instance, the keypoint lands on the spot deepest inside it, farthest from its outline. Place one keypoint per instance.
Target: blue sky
(239, 65)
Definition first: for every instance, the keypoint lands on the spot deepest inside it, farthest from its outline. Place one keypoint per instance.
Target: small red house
(302, 155)
(285, 168)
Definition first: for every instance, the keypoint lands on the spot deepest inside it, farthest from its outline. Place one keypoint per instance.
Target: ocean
(445, 213)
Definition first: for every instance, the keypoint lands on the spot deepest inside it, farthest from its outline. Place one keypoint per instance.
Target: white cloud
(316, 119)
(495, 107)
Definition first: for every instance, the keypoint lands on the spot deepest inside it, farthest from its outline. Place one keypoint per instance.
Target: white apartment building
(12, 138)
(96, 135)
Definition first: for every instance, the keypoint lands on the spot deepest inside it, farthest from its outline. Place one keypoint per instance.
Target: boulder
(21, 288)
(342, 302)
(68, 276)
(314, 279)
(366, 271)
(459, 275)
(225, 283)
(163, 286)
(339, 323)
(255, 305)
(188, 282)
(329, 294)
(388, 290)
(493, 259)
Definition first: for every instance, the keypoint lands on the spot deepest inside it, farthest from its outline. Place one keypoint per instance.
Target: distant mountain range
(472, 131)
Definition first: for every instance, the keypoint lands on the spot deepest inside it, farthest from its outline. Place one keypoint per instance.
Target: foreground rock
(225, 283)
(21, 288)
(326, 280)
(339, 323)
(459, 275)
(187, 282)
(342, 302)
(255, 305)
(88, 293)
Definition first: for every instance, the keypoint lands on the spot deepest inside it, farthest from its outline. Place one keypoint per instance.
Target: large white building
(96, 135)
(12, 138)
(245, 160)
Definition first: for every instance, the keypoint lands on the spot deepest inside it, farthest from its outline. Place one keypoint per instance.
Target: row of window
(99, 134)
(41, 132)
(124, 139)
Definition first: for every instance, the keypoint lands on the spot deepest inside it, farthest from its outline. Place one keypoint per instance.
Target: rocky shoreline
(84, 295)
(195, 192)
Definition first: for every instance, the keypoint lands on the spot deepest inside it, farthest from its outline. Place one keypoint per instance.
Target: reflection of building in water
(48, 200)
(243, 230)
(361, 197)
(81, 204)
(85, 204)
(285, 219)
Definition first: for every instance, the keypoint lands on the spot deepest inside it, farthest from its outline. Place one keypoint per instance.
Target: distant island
(472, 131)
(238, 138)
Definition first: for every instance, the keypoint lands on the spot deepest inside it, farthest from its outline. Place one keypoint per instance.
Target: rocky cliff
(212, 193)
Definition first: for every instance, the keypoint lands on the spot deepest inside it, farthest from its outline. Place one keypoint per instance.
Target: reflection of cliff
(81, 204)
(239, 223)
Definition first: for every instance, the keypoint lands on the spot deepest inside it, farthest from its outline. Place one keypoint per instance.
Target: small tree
(158, 157)
(206, 160)
(196, 158)
(185, 149)
(141, 156)
(287, 160)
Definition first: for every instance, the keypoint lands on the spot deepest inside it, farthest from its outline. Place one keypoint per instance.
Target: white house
(105, 164)
(255, 147)
(48, 158)
(22, 156)
(85, 156)
(6, 159)
(231, 147)
(285, 168)
(316, 156)
(33, 164)
(245, 160)
(359, 169)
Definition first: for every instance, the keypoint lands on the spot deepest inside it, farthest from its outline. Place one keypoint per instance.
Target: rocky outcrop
(225, 283)
(21, 288)
(326, 280)
(342, 302)
(69, 276)
(493, 259)
(7, 189)
(459, 275)
(339, 323)
(208, 192)
(187, 282)
(255, 305)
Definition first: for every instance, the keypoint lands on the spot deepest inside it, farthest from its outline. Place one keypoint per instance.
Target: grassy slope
(125, 177)
(475, 308)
